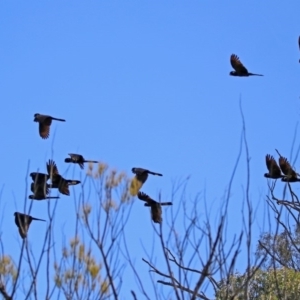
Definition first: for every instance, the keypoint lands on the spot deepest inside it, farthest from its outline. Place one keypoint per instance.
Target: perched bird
(78, 159)
(139, 179)
(287, 170)
(23, 221)
(40, 191)
(57, 180)
(155, 206)
(44, 124)
(274, 170)
(239, 68)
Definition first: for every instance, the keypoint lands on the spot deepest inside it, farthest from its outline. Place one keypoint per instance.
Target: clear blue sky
(146, 84)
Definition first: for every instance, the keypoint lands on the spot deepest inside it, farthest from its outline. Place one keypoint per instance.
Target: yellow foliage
(7, 267)
(81, 252)
(107, 205)
(102, 167)
(82, 272)
(87, 209)
(94, 270)
(74, 242)
(135, 186)
(105, 287)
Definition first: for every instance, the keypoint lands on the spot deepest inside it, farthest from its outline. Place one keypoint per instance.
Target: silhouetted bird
(39, 177)
(78, 159)
(274, 170)
(40, 191)
(44, 124)
(57, 180)
(287, 170)
(139, 179)
(239, 68)
(155, 206)
(23, 221)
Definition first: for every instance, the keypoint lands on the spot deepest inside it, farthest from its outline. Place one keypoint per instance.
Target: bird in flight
(39, 177)
(239, 69)
(23, 221)
(287, 170)
(78, 159)
(156, 211)
(40, 187)
(139, 179)
(44, 124)
(40, 191)
(274, 170)
(57, 180)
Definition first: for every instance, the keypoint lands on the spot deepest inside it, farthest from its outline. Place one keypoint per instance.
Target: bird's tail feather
(62, 120)
(73, 182)
(253, 74)
(153, 173)
(38, 219)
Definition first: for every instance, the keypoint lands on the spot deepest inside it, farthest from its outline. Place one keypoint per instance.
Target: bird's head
(67, 160)
(267, 175)
(36, 117)
(32, 174)
(133, 170)
(232, 73)
(15, 214)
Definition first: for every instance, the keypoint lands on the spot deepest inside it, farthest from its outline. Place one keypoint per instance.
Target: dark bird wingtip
(278, 152)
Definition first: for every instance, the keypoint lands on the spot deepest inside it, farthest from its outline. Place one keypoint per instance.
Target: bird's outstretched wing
(144, 197)
(237, 64)
(44, 130)
(52, 168)
(285, 166)
(272, 165)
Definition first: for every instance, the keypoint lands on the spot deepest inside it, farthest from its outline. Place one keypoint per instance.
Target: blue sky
(146, 84)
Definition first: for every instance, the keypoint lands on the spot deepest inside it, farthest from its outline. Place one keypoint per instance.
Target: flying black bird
(286, 168)
(239, 69)
(139, 179)
(39, 177)
(57, 180)
(274, 170)
(143, 173)
(78, 159)
(155, 206)
(23, 221)
(44, 124)
(40, 191)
